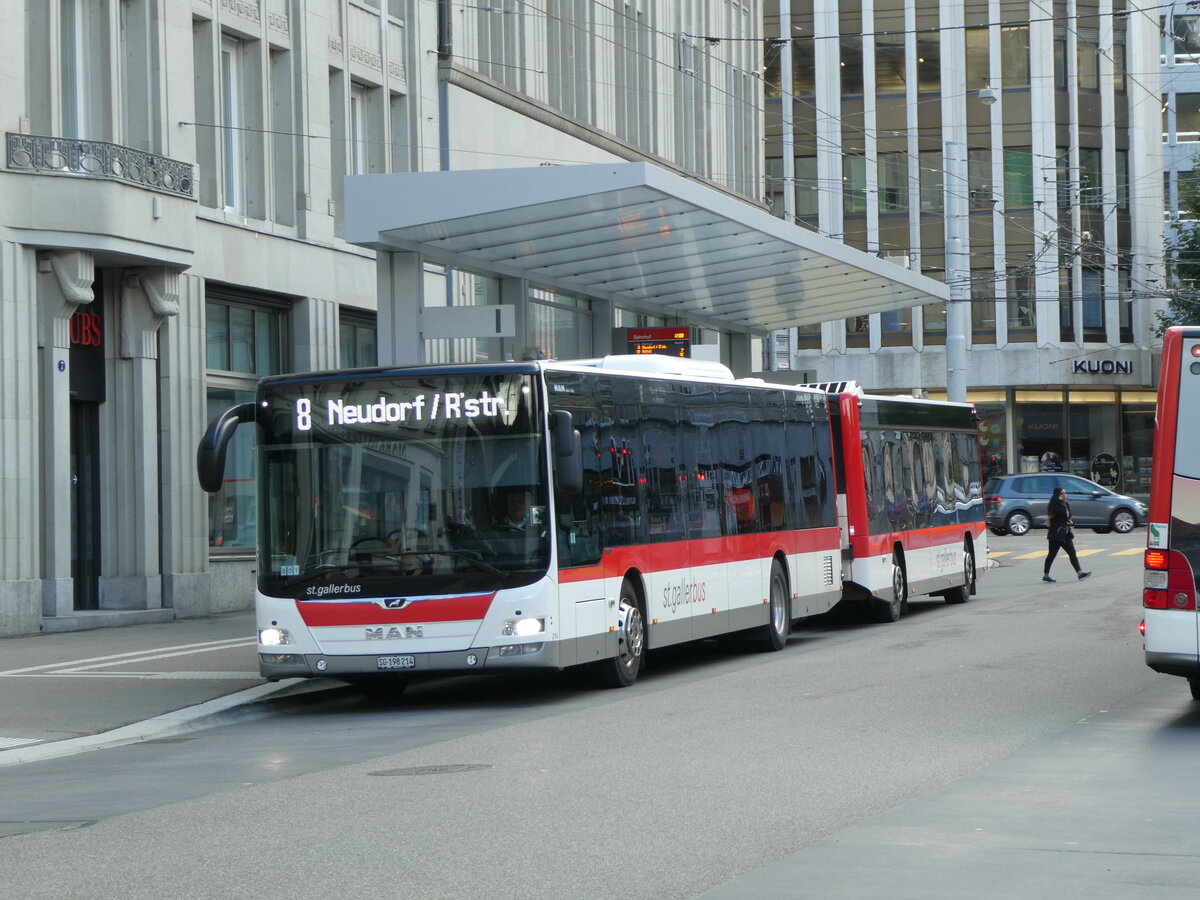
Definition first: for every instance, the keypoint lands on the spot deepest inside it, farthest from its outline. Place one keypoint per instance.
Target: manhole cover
(434, 770)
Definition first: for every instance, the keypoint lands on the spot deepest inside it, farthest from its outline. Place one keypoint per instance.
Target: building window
(1022, 320)
(858, 331)
(893, 182)
(232, 124)
(983, 306)
(1018, 177)
(1014, 56)
(1090, 186)
(1118, 59)
(558, 326)
(1066, 299)
(978, 60)
(357, 342)
(1187, 117)
(931, 180)
(890, 73)
(1187, 38)
(84, 40)
(1093, 304)
(244, 340)
(895, 327)
(854, 184)
(852, 65)
(1122, 160)
(357, 130)
(929, 62)
(979, 178)
(1087, 58)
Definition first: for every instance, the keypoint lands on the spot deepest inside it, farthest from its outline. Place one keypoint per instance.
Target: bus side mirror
(568, 452)
(210, 455)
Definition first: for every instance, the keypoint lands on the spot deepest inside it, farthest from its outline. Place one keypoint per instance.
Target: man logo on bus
(394, 633)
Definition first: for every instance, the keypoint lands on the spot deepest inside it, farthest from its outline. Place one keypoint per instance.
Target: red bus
(1171, 623)
(550, 514)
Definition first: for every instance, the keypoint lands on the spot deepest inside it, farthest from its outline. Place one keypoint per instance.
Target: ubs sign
(87, 354)
(1102, 367)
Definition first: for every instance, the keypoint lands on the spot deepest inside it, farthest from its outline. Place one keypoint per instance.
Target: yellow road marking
(1130, 552)
(999, 552)
(1037, 555)
(1089, 552)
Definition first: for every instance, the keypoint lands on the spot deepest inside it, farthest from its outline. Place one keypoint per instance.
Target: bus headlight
(274, 637)
(524, 627)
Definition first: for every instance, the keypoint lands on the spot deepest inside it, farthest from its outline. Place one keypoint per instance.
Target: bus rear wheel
(623, 669)
(891, 608)
(776, 631)
(962, 593)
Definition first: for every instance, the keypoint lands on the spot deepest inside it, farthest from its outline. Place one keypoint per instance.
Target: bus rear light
(1153, 599)
(1156, 579)
(1156, 559)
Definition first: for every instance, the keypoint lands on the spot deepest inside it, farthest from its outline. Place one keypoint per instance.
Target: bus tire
(1194, 684)
(623, 669)
(962, 593)
(775, 632)
(891, 608)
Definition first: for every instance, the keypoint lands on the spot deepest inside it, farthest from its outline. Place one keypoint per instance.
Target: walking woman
(1059, 522)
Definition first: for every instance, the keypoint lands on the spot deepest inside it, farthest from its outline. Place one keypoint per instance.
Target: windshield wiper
(468, 555)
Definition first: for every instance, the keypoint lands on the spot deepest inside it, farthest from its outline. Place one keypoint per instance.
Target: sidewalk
(66, 693)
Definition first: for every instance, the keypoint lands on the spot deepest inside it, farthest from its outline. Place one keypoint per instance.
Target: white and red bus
(1171, 622)
(546, 514)
(913, 489)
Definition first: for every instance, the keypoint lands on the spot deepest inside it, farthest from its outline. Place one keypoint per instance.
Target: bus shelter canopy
(633, 233)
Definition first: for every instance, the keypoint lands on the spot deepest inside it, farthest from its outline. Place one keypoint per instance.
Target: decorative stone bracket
(149, 296)
(74, 273)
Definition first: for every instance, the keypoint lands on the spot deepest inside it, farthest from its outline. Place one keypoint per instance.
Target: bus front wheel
(623, 669)
(963, 593)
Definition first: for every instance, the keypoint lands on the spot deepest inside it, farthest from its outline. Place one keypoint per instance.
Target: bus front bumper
(275, 665)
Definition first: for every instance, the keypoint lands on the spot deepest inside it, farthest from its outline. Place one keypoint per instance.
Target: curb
(252, 703)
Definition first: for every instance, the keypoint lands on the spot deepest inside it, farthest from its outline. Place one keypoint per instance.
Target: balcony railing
(99, 159)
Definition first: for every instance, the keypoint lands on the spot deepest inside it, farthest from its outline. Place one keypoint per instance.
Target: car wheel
(1104, 530)
(1123, 521)
(999, 532)
(1018, 522)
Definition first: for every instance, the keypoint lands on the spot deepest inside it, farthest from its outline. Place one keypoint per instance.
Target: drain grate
(434, 770)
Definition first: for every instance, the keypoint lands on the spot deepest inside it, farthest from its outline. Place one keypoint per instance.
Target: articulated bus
(911, 475)
(549, 514)
(1171, 622)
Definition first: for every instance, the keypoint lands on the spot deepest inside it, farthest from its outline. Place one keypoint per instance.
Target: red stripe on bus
(616, 561)
(940, 536)
(442, 609)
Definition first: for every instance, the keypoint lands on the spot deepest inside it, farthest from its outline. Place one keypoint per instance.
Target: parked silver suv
(1015, 503)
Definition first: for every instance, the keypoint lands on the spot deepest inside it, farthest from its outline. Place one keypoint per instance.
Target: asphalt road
(1016, 746)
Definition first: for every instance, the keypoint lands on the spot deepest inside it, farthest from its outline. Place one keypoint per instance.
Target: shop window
(244, 340)
(1040, 431)
(1094, 438)
(1137, 432)
(993, 437)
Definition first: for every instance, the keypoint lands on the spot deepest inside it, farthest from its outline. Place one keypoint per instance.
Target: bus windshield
(381, 485)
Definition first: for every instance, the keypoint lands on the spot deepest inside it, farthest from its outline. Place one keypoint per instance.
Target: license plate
(396, 662)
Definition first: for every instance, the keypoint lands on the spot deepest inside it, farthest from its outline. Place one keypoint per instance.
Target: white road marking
(97, 662)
